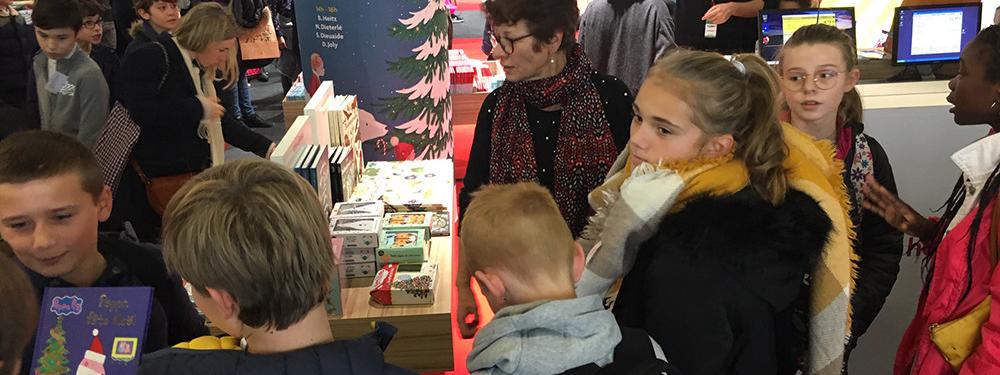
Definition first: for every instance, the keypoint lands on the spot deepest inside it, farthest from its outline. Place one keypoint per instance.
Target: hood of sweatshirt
(546, 337)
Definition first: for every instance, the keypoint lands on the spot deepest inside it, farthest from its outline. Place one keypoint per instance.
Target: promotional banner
(394, 56)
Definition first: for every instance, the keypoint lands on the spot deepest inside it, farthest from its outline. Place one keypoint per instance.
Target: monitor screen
(935, 33)
(777, 25)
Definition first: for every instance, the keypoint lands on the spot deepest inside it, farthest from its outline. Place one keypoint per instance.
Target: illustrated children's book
(405, 246)
(357, 232)
(409, 220)
(359, 209)
(393, 286)
(91, 330)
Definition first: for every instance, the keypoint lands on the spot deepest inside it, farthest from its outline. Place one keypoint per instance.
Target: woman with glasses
(818, 66)
(555, 121)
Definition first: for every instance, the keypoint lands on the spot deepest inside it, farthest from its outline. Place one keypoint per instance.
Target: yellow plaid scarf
(812, 168)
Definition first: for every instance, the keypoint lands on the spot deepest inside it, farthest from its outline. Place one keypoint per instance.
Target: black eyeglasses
(506, 44)
(92, 24)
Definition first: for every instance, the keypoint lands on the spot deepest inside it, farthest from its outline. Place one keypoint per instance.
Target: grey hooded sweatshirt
(546, 337)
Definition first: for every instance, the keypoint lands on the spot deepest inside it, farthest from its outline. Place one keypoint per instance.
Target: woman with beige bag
(169, 88)
(953, 330)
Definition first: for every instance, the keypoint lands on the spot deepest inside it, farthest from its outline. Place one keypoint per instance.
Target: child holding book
(520, 250)
(52, 197)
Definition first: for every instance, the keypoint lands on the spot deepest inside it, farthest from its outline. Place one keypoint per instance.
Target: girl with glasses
(818, 67)
(554, 121)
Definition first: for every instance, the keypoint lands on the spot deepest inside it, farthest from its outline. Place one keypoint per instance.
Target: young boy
(69, 94)
(518, 247)
(51, 199)
(158, 16)
(89, 40)
(17, 46)
(251, 240)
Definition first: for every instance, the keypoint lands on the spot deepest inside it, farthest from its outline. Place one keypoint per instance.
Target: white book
(316, 109)
(297, 135)
(334, 116)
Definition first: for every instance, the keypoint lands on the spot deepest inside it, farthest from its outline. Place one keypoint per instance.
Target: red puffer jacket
(941, 302)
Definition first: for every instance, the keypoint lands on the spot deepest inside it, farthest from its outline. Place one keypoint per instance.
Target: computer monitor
(775, 26)
(934, 33)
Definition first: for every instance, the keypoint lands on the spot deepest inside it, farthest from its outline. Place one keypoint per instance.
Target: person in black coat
(711, 218)
(717, 285)
(17, 47)
(89, 39)
(157, 88)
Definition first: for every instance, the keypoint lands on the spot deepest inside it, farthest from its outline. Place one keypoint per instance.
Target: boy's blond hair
(257, 231)
(517, 228)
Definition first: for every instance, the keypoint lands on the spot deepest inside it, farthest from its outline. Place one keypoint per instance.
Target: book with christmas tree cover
(393, 286)
(91, 331)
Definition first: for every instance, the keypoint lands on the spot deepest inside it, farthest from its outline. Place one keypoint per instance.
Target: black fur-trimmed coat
(717, 284)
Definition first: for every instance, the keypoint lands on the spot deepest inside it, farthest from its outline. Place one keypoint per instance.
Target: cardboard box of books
(358, 255)
(409, 220)
(393, 286)
(373, 208)
(403, 246)
(360, 232)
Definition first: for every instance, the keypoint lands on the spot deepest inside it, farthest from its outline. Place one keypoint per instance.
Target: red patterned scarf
(585, 148)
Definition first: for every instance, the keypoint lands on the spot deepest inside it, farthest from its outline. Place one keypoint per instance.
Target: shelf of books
(390, 225)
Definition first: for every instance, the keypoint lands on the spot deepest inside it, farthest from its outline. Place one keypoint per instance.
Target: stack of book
(313, 164)
(294, 102)
(408, 186)
(358, 224)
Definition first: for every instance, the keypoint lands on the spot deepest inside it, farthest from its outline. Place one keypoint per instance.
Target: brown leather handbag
(159, 190)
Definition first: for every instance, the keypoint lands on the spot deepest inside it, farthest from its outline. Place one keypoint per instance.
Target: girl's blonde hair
(209, 23)
(850, 110)
(733, 97)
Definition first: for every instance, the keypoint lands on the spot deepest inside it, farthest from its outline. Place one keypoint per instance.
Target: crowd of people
(701, 215)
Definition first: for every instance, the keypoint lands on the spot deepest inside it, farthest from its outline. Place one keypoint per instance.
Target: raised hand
(895, 212)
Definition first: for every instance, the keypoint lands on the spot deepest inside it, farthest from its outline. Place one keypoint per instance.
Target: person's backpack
(634, 355)
(248, 13)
